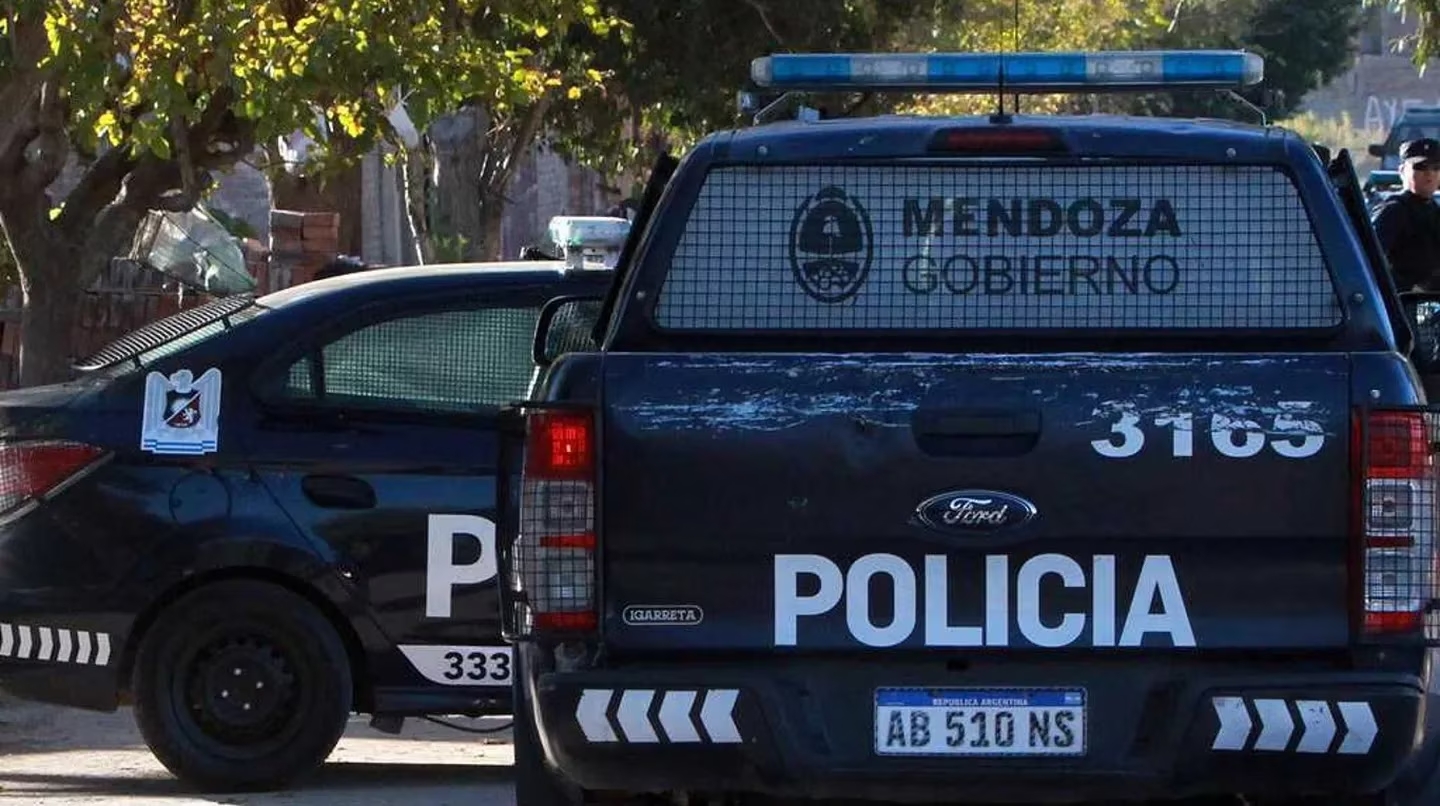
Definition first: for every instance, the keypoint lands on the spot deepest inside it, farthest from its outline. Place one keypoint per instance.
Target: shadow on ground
(331, 777)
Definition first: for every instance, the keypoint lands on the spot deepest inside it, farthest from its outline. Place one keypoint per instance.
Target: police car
(1000, 458)
(258, 516)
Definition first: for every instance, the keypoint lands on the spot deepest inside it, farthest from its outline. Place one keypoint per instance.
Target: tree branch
(98, 187)
(524, 137)
(23, 80)
(765, 19)
(45, 153)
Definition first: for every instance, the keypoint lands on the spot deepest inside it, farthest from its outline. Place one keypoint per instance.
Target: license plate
(979, 722)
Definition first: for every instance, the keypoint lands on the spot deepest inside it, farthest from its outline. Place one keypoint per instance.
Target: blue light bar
(1023, 72)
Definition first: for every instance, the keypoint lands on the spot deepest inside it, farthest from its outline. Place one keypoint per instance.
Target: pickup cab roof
(1118, 136)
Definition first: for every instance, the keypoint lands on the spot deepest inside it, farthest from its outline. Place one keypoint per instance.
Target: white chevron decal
(718, 716)
(1235, 724)
(590, 713)
(53, 644)
(62, 654)
(1319, 726)
(82, 646)
(1275, 725)
(632, 711)
(675, 716)
(634, 716)
(1360, 720)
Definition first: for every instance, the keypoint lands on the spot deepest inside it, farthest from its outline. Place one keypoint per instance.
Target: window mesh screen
(448, 361)
(571, 329)
(992, 247)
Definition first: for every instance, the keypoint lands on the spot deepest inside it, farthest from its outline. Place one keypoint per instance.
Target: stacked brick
(300, 244)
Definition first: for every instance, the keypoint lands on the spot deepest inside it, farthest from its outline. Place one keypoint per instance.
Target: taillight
(1397, 522)
(554, 549)
(30, 470)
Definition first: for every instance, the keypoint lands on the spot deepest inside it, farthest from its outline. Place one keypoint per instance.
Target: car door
(377, 436)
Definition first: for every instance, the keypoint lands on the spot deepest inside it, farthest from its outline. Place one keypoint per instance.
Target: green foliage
(676, 77)
(1305, 44)
(135, 69)
(449, 248)
(1424, 45)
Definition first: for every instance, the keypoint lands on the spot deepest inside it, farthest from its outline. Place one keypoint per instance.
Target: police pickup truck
(259, 515)
(989, 459)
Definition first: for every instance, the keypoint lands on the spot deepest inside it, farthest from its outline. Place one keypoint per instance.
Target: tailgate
(915, 501)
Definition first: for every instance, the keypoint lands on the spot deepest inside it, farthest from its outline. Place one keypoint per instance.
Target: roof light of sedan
(1022, 72)
(589, 241)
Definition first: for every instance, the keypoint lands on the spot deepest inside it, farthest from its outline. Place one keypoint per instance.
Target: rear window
(164, 337)
(997, 247)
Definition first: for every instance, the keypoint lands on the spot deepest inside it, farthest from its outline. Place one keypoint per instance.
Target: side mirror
(1376, 150)
(565, 326)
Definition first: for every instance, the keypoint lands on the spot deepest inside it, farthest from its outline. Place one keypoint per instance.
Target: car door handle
(976, 432)
(977, 423)
(338, 492)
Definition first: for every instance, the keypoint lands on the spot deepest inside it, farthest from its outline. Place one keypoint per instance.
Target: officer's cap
(1425, 149)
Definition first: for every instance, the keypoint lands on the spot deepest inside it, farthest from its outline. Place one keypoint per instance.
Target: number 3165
(1289, 436)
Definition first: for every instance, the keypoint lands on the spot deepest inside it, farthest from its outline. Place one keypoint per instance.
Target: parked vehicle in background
(1414, 123)
(260, 515)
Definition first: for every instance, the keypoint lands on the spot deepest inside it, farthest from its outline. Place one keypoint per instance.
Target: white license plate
(979, 722)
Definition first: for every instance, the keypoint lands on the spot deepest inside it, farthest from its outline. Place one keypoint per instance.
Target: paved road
(62, 757)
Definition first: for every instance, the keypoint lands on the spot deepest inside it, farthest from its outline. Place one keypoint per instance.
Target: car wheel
(241, 685)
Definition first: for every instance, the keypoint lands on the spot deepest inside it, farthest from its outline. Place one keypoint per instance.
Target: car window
(443, 361)
(165, 337)
(1093, 247)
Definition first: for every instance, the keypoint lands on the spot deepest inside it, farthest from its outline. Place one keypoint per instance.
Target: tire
(241, 686)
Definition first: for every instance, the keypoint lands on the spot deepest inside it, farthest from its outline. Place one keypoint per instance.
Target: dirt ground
(65, 757)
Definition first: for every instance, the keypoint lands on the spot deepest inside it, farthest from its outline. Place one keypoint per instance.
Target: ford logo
(974, 511)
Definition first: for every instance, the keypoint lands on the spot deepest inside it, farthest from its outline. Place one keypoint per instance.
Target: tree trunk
(492, 217)
(460, 147)
(415, 183)
(47, 323)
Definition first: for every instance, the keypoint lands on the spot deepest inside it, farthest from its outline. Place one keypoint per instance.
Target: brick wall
(300, 244)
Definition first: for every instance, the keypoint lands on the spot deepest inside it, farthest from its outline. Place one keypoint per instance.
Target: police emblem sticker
(182, 414)
(832, 245)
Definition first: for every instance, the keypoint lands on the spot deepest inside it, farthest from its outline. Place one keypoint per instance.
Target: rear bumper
(61, 656)
(1153, 730)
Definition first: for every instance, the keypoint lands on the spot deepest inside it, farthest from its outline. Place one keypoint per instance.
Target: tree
(656, 88)
(1305, 44)
(674, 77)
(153, 97)
(1424, 44)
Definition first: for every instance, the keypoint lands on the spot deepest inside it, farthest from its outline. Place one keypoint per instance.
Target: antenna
(1017, 48)
(1000, 116)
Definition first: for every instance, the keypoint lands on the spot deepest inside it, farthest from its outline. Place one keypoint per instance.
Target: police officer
(1408, 224)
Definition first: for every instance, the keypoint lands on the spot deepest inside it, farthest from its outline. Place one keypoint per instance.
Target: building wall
(1383, 82)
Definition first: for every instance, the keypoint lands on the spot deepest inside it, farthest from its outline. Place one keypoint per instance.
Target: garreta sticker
(663, 615)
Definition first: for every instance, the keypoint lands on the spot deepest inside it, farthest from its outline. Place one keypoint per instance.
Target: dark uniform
(1409, 226)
